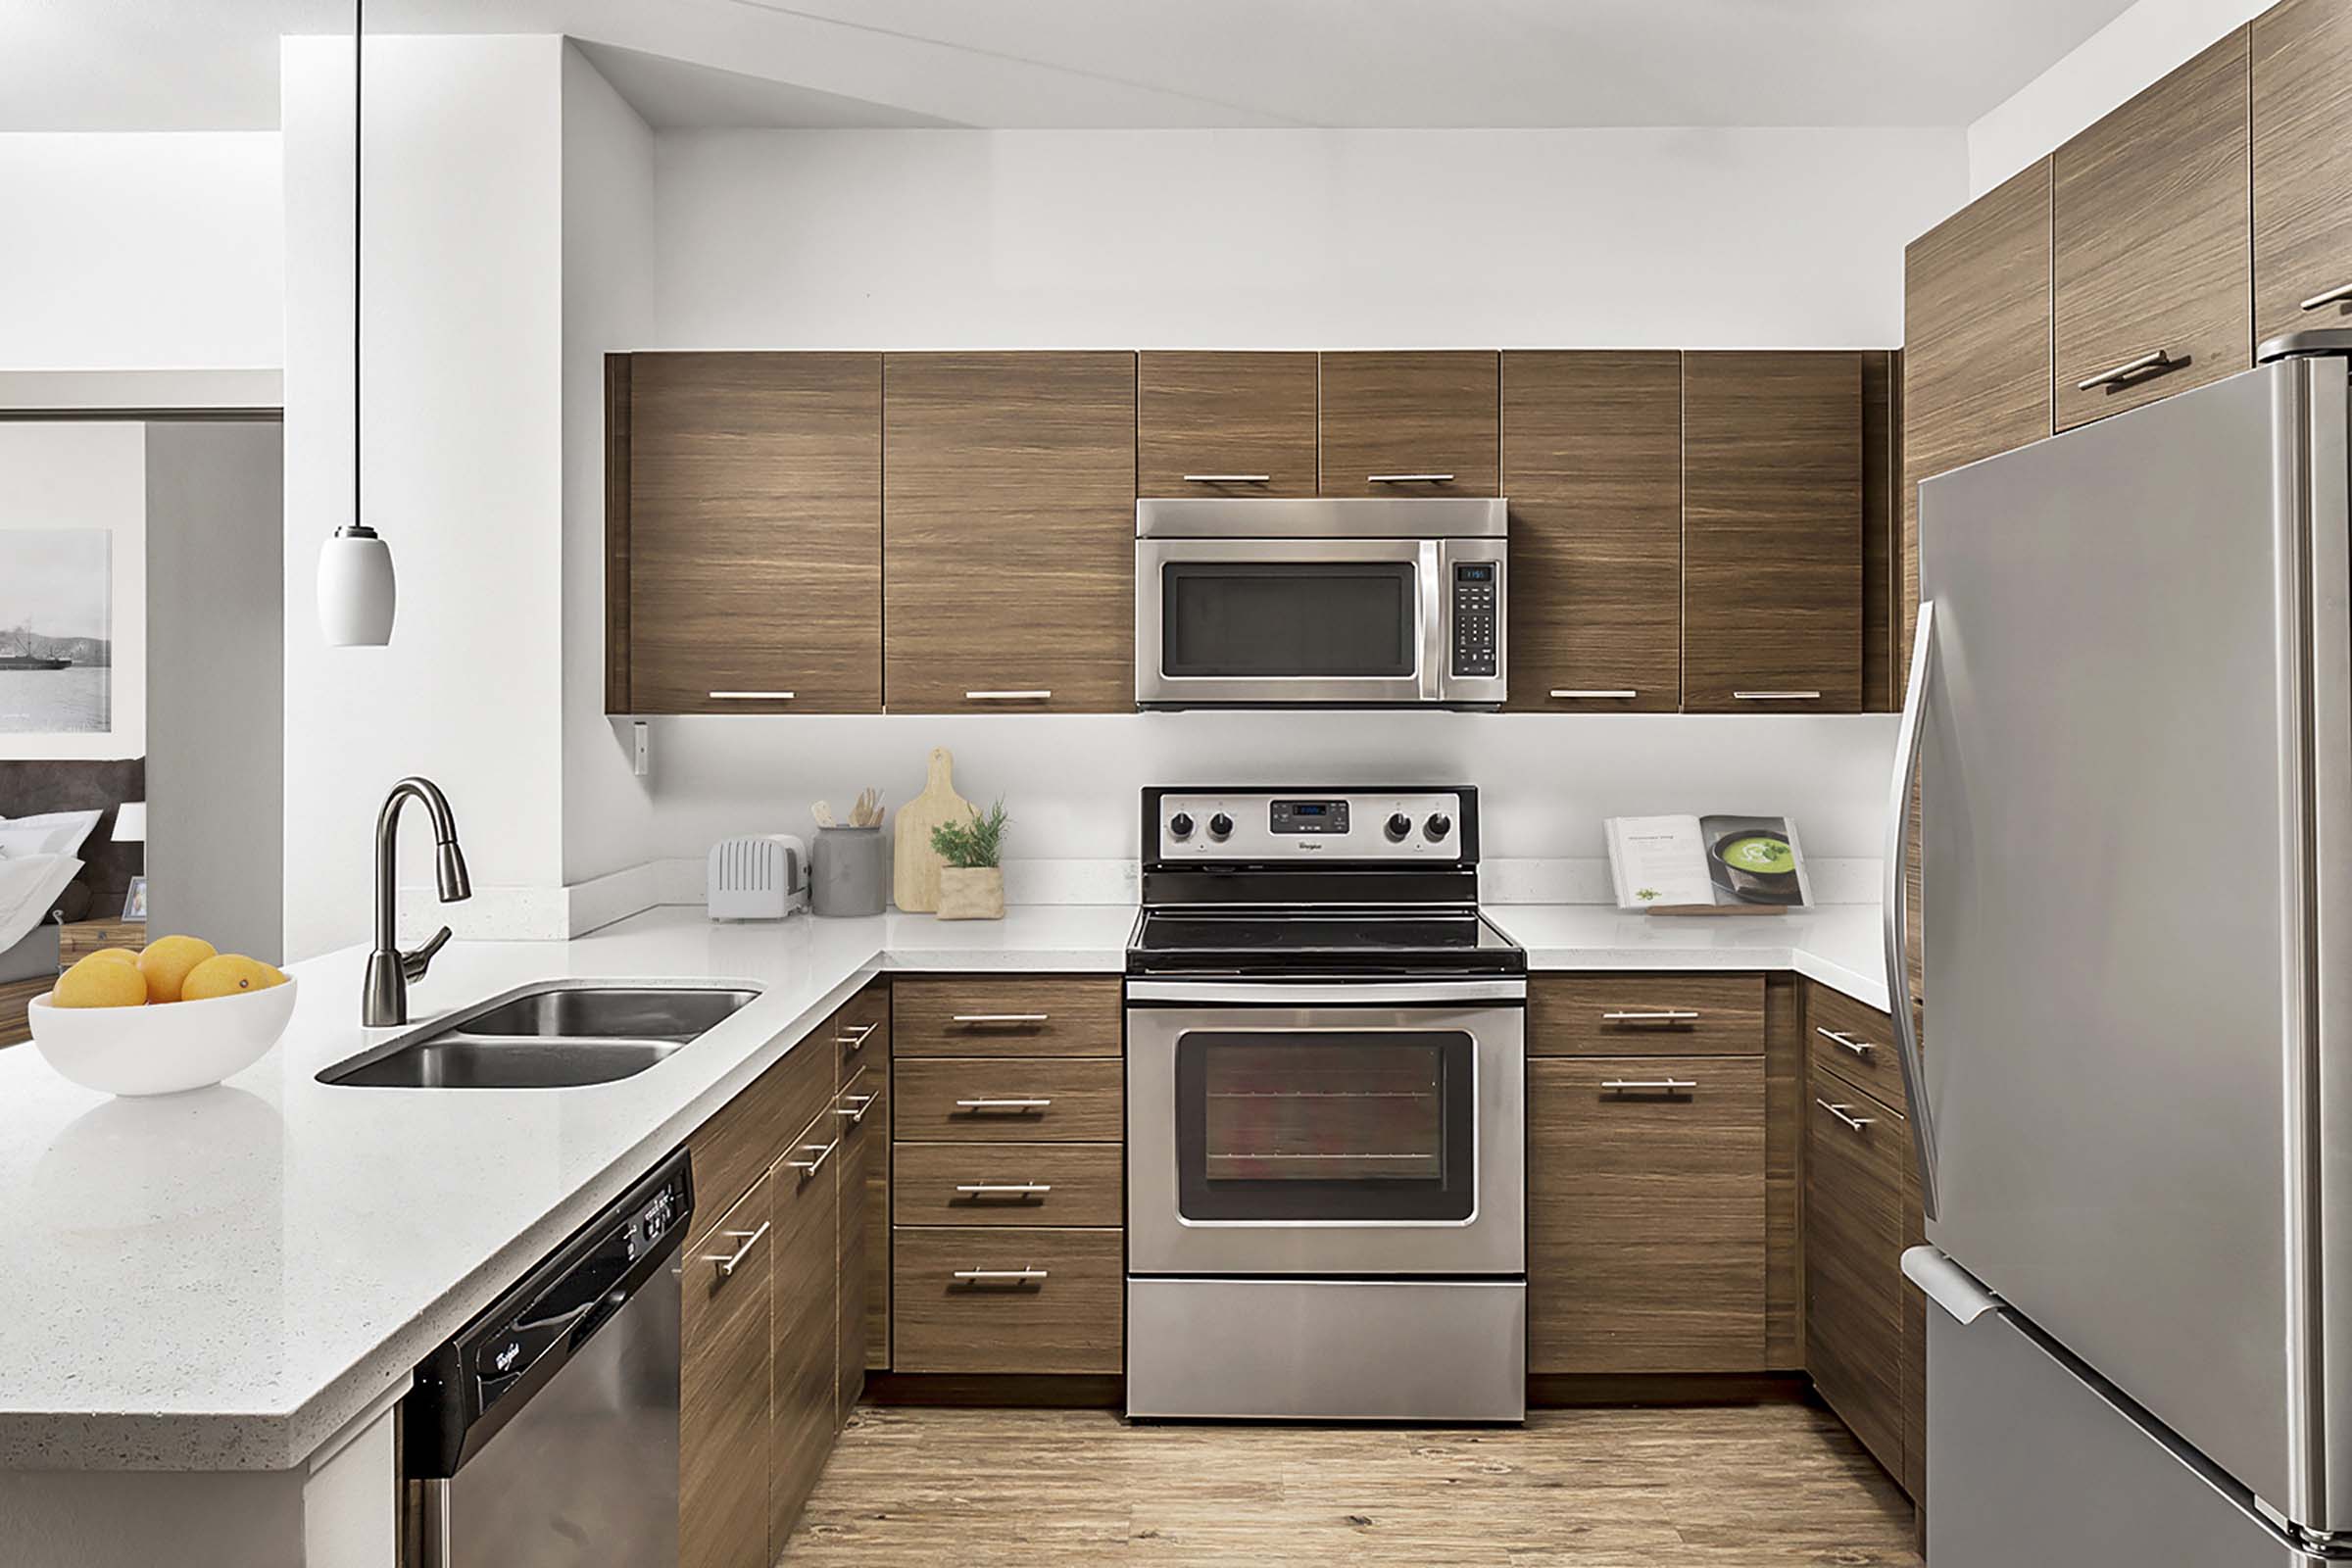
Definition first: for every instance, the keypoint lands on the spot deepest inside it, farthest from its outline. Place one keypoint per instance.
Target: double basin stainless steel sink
(554, 1035)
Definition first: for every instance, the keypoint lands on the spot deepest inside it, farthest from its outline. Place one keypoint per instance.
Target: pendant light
(357, 592)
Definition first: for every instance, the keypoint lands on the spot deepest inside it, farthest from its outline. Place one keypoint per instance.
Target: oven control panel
(1261, 826)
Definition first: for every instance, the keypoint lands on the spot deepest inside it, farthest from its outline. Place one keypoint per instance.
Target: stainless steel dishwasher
(545, 1433)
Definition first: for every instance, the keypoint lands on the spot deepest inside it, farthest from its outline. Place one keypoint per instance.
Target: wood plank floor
(1756, 1485)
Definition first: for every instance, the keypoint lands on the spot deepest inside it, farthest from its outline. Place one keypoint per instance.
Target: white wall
(140, 251)
(2135, 49)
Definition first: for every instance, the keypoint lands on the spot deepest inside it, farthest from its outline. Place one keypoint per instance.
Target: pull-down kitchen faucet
(385, 1000)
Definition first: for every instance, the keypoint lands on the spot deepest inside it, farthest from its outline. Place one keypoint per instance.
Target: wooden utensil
(823, 812)
(915, 865)
(867, 812)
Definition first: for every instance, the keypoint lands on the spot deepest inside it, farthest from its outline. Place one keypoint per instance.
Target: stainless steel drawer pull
(857, 1038)
(810, 1167)
(1003, 1104)
(1037, 696)
(1624, 694)
(2334, 296)
(1662, 1016)
(1228, 478)
(865, 1102)
(1860, 1048)
(2130, 370)
(730, 1262)
(1659, 1084)
(999, 1276)
(1776, 697)
(1005, 1188)
(1408, 478)
(1001, 1018)
(752, 697)
(1857, 1123)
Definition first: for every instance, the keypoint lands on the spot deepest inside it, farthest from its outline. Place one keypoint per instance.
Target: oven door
(1223, 622)
(1350, 1130)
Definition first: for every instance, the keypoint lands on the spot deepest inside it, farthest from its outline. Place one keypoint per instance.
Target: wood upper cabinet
(1592, 464)
(723, 1394)
(2149, 242)
(2302, 54)
(802, 1213)
(1008, 539)
(1237, 424)
(1410, 424)
(747, 538)
(1645, 1214)
(1772, 532)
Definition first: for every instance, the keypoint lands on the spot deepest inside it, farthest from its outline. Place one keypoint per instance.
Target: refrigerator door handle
(1892, 905)
(1947, 1284)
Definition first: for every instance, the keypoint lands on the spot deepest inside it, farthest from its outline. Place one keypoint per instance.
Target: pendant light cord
(358, 49)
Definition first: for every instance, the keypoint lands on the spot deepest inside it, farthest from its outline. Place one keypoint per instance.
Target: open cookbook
(1707, 864)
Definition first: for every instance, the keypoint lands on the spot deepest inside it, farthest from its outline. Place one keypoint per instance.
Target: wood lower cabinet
(2149, 257)
(1634, 1015)
(859, 1121)
(1591, 452)
(1224, 425)
(1000, 1299)
(804, 1191)
(1071, 1185)
(1645, 1214)
(1005, 1015)
(2302, 131)
(751, 533)
(861, 1032)
(1772, 532)
(1008, 532)
(1006, 1100)
(1410, 424)
(723, 1455)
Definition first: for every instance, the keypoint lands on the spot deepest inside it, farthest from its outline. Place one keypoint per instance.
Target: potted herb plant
(972, 885)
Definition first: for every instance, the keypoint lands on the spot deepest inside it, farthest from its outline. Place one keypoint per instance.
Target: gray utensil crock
(849, 871)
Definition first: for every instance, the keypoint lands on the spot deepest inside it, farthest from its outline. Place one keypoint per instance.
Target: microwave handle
(1433, 621)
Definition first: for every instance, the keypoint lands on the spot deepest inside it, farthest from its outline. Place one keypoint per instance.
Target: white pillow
(52, 833)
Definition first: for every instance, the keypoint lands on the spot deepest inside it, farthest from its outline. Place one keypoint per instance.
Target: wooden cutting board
(914, 874)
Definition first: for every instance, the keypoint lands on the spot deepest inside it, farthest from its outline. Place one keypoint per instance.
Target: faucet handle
(414, 964)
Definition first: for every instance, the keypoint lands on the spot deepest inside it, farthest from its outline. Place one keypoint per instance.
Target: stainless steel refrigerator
(2131, 709)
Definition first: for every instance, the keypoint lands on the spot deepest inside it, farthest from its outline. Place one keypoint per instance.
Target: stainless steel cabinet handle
(2131, 369)
(1776, 697)
(752, 697)
(1860, 1048)
(810, 1167)
(865, 1102)
(999, 1018)
(730, 1262)
(1663, 1016)
(1005, 1188)
(1618, 695)
(1408, 478)
(856, 1041)
(1228, 478)
(1003, 1104)
(1649, 1083)
(1008, 695)
(2334, 296)
(1857, 1123)
(999, 1276)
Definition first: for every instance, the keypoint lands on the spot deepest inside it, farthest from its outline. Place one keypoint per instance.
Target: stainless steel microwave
(1354, 602)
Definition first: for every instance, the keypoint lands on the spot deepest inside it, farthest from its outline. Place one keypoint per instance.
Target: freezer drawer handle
(1661, 1015)
(2155, 363)
(1005, 1189)
(2334, 296)
(1947, 1284)
(1666, 1085)
(1860, 1048)
(1857, 1123)
(1003, 1104)
(999, 1276)
(1001, 1018)
(730, 1262)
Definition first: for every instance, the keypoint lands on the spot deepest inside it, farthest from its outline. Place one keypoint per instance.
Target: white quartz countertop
(223, 1280)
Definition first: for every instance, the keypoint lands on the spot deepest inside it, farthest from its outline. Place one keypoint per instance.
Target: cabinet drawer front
(1027, 1016)
(1019, 1184)
(724, 1391)
(1029, 1300)
(861, 1031)
(1644, 1015)
(1645, 1214)
(747, 1134)
(1854, 1042)
(1007, 1099)
(1853, 1270)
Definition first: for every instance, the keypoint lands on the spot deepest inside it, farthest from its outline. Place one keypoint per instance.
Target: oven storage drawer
(993, 1298)
(1645, 1014)
(1009, 1184)
(1027, 1015)
(1006, 1100)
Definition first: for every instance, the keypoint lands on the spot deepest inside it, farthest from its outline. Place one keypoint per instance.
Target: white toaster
(759, 877)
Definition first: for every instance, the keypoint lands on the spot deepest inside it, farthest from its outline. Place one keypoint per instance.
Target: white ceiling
(142, 65)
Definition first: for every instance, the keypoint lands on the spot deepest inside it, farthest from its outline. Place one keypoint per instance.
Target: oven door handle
(1369, 993)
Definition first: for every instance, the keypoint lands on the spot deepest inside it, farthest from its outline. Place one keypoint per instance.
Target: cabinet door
(755, 533)
(1008, 532)
(1772, 532)
(1593, 464)
(1645, 1214)
(1914, 1474)
(863, 1030)
(2302, 166)
(1855, 1154)
(724, 1391)
(1414, 423)
(1234, 424)
(802, 1197)
(2149, 243)
(859, 1119)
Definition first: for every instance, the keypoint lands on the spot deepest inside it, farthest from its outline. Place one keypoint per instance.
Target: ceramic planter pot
(971, 892)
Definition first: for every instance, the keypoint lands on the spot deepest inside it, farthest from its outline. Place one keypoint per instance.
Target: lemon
(165, 964)
(118, 954)
(100, 982)
(226, 975)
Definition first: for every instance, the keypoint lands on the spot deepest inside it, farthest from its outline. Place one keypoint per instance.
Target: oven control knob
(1219, 825)
(1437, 825)
(1181, 825)
(1399, 826)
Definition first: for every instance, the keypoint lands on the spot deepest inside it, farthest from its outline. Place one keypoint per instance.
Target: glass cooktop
(1390, 940)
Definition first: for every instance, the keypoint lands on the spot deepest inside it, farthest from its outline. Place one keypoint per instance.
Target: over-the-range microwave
(1324, 602)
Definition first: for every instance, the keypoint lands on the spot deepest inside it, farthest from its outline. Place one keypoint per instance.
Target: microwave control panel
(1474, 617)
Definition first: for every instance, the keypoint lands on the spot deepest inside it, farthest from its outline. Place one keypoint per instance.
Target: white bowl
(163, 1048)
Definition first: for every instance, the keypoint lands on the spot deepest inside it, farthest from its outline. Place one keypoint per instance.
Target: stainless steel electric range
(1326, 1114)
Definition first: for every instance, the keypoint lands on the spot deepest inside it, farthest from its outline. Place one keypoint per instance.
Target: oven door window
(1328, 1125)
(1329, 619)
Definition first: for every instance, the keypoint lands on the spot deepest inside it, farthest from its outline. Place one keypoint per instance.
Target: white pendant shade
(357, 592)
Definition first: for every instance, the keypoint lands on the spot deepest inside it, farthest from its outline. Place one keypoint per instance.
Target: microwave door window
(1326, 621)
